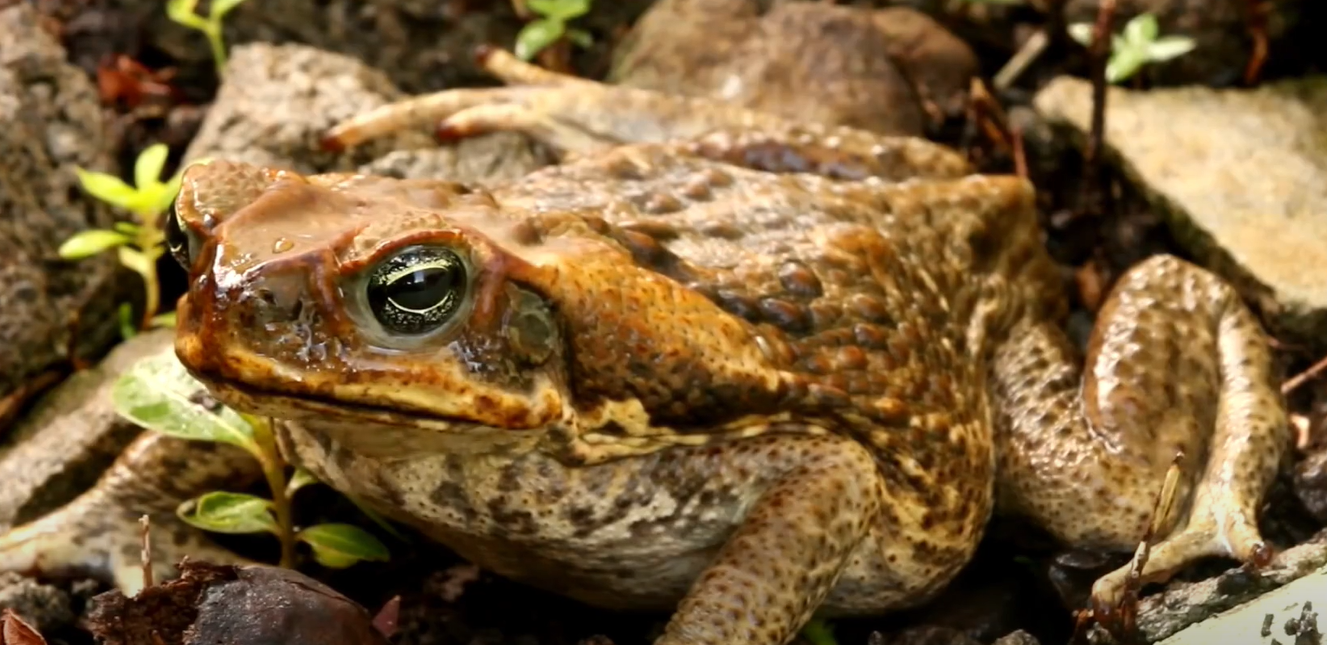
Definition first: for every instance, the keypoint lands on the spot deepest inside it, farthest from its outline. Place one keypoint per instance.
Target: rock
(71, 436)
(245, 605)
(1310, 482)
(1237, 174)
(1165, 614)
(52, 123)
(1291, 614)
(42, 606)
(1019, 637)
(1220, 29)
(279, 100)
(792, 60)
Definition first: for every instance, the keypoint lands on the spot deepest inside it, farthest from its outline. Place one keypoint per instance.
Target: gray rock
(52, 123)
(1181, 605)
(1291, 614)
(812, 61)
(279, 100)
(42, 606)
(71, 436)
(1019, 637)
(1237, 175)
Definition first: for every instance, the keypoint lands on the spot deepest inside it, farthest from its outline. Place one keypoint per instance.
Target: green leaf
(128, 323)
(818, 632)
(182, 12)
(224, 512)
(107, 188)
(220, 8)
(1142, 29)
(128, 228)
(537, 35)
(377, 519)
(85, 244)
(559, 9)
(164, 320)
(1081, 32)
(167, 193)
(580, 38)
(1170, 47)
(299, 480)
(1124, 64)
(158, 393)
(135, 261)
(148, 165)
(338, 546)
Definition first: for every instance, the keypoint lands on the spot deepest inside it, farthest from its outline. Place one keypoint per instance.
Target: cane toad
(716, 363)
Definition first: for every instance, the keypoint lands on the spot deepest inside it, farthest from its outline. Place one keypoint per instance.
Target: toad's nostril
(279, 302)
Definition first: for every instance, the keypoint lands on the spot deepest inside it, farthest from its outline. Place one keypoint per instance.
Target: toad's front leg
(828, 535)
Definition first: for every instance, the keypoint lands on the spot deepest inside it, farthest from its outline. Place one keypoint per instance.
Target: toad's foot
(578, 116)
(1177, 365)
(99, 535)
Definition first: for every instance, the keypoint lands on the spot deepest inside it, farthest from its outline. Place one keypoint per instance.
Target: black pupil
(422, 288)
(416, 290)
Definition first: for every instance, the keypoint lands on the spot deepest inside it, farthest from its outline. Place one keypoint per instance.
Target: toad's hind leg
(98, 534)
(1176, 364)
(578, 116)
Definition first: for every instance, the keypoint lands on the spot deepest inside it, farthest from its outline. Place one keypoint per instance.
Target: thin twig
(1257, 27)
(1020, 155)
(1299, 379)
(1099, 53)
(1021, 60)
(1100, 56)
(145, 556)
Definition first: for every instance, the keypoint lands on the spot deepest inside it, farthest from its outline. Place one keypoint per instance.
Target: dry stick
(145, 556)
(1257, 24)
(1021, 60)
(1303, 377)
(1020, 155)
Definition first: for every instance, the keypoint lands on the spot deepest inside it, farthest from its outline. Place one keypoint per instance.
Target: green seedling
(139, 243)
(818, 632)
(551, 26)
(159, 394)
(1139, 44)
(183, 12)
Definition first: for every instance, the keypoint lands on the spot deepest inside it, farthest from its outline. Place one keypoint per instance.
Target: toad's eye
(417, 290)
(180, 240)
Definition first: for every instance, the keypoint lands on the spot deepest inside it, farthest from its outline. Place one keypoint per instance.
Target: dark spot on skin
(526, 233)
(788, 316)
(800, 280)
(738, 304)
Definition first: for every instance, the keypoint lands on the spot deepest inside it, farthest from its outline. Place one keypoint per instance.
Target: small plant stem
(149, 240)
(213, 31)
(1100, 57)
(1100, 54)
(274, 471)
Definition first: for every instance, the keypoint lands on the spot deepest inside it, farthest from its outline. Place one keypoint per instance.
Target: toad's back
(880, 302)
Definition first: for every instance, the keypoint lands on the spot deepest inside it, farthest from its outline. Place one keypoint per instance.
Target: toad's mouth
(322, 410)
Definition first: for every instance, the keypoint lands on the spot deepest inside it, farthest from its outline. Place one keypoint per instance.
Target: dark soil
(1019, 581)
